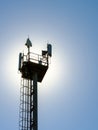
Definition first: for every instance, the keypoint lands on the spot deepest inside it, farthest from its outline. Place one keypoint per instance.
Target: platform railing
(36, 58)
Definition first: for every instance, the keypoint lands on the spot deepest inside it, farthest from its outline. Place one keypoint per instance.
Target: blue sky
(68, 95)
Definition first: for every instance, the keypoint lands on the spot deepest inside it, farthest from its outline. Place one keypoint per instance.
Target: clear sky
(68, 95)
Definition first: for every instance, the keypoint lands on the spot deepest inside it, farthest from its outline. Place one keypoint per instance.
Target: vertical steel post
(33, 106)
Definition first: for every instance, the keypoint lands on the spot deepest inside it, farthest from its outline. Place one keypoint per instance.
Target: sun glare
(54, 74)
(11, 67)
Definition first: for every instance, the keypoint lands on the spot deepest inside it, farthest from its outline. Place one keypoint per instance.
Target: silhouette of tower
(33, 68)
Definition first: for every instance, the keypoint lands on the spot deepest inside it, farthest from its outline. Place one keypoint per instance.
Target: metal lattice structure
(33, 68)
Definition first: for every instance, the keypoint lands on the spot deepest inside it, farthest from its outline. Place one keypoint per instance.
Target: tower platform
(29, 68)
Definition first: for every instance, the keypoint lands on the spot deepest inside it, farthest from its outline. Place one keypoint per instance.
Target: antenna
(28, 43)
(33, 68)
(49, 49)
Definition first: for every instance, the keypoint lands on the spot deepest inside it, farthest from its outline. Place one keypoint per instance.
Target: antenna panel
(20, 58)
(49, 49)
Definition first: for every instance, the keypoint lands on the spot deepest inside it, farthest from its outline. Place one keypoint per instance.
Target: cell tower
(33, 68)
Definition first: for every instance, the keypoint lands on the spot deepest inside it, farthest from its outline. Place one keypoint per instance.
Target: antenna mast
(33, 68)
